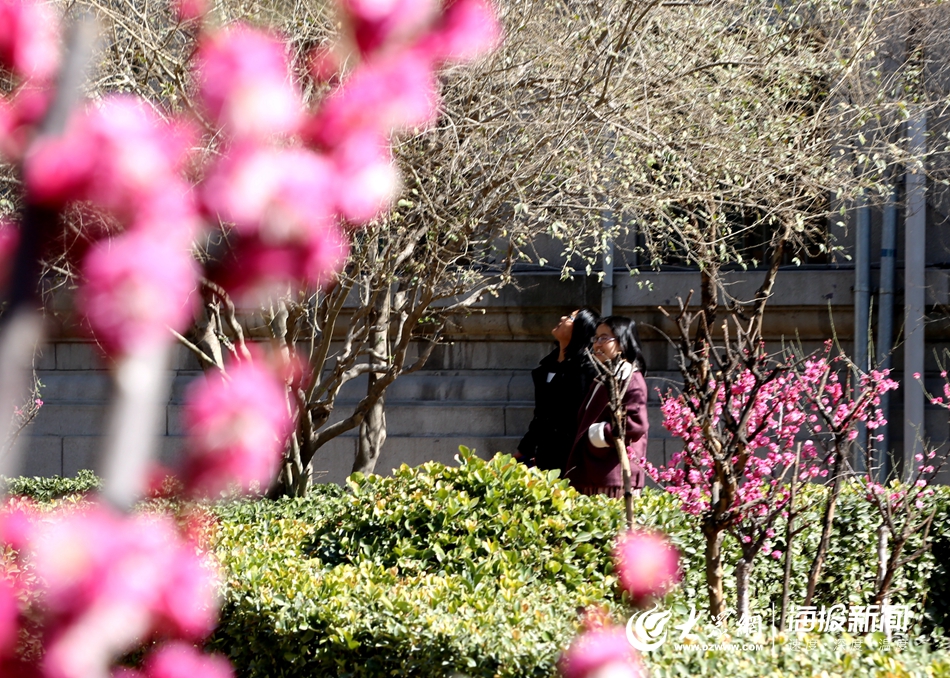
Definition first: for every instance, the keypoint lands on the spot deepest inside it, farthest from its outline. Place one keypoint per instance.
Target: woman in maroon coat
(593, 467)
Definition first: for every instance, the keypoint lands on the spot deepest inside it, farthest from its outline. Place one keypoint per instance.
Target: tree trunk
(372, 436)
(743, 573)
(717, 605)
(625, 472)
(882, 541)
(789, 536)
(373, 426)
(891, 565)
(826, 525)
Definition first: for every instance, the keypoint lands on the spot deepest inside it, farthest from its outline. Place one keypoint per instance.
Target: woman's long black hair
(625, 330)
(585, 324)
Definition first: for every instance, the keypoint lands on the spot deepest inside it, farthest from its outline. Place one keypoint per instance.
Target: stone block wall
(476, 388)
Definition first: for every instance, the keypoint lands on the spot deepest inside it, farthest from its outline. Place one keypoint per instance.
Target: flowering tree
(903, 508)
(89, 585)
(741, 465)
(835, 408)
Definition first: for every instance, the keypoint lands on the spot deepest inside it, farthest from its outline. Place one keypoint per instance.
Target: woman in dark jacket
(560, 382)
(593, 466)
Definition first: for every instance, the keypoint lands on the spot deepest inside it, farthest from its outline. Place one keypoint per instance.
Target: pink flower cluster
(29, 41)
(120, 157)
(648, 566)
(101, 584)
(602, 653)
(808, 404)
(286, 179)
(287, 202)
(237, 430)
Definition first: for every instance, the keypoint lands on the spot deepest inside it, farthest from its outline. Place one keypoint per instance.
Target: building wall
(476, 388)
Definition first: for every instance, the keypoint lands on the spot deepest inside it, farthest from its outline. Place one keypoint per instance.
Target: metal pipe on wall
(915, 260)
(862, 311)
(885, 325)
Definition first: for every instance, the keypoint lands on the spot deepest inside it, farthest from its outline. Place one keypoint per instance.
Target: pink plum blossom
(467, 30)
(647, 565)
(368, 178)
(285, 195)
(107, 580)
(181, 660)
(119, 155)
(245, 84)
(136, 286)
(29, 38)
(137, 153)
(376, 23)
(380, 97)
(189, 10)
(601, 653)
(57, 170)
(256, 267)
(237, 429)
(18, 118)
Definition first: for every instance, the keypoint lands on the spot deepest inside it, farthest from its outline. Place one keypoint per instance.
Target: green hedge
(480, 570)
(50, 489)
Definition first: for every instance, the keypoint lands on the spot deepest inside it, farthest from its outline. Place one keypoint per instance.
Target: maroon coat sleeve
(636, 424)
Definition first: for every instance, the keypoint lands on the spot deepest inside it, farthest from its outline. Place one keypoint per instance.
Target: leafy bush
(50, 489)
(481, 570)
(478, 569)
(819, 655)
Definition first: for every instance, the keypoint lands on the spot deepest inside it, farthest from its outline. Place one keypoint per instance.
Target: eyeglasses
(603, 340)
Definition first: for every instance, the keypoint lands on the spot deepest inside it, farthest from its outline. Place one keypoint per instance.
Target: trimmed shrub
(481, 570)
(50, 489)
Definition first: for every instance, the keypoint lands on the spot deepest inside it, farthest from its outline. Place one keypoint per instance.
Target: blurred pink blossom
(284, 194)
(255, 268)
(137, 153)
(237, 429)
(29, 38)
(57, 170)
(107, 580)
(136, 286)
(467, 30)
(181, 660)
(378, 23)
(368, 179)
(647, 565)
(18, 116)
(118, 154)
(245, 84)
(601, 653)
(382, 96)
(189, 10)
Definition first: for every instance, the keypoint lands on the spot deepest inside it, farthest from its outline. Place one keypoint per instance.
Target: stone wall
(476, 389)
